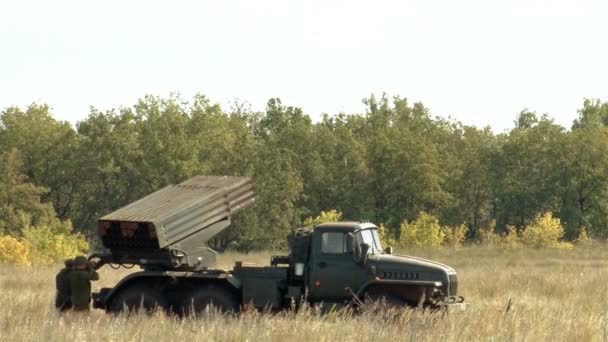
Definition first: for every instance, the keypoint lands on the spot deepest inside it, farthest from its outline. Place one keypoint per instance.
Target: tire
(385, 301)
(207, 299)
(136, 299)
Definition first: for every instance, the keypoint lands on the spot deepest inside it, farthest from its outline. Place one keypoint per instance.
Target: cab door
(332, 267)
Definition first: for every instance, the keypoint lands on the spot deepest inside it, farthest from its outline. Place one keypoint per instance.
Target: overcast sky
(477, 61)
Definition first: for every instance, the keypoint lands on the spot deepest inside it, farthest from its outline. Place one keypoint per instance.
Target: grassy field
(554, 294)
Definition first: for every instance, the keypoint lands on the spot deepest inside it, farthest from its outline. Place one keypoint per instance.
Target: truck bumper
(456, 307)
(451, 303)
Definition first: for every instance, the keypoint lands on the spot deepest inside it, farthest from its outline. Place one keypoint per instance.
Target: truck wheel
(209, 299)
(137, 299)
(385, 301)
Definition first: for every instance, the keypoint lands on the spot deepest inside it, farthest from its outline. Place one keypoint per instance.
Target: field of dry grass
(554, 294)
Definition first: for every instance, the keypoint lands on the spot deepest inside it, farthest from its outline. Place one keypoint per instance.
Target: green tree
(164, 138)
(343, 173)
(47, 148)
(20, 204)
(471, 184)
(593, 114)
(405, 163)
(111, 167)
(290, 131)
(277, 166)
(524, 171)
(584, 178)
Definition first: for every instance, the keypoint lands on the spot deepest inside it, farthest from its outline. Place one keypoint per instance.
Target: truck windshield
(370, 236)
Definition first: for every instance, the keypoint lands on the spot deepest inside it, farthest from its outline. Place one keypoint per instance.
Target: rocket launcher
(170, 228)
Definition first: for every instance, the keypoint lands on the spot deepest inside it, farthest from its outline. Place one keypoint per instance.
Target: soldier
(62, 283)
(80, 283)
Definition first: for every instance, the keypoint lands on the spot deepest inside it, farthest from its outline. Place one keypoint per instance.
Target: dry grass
(556, 295)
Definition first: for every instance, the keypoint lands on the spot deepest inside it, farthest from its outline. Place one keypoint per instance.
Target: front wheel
(387, 301)
(381, 305)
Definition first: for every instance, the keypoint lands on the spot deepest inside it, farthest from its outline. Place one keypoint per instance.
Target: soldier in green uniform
(80, 283)
(62, 283)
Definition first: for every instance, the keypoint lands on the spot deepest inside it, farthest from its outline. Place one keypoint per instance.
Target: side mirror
(388, 250)
(364, 253)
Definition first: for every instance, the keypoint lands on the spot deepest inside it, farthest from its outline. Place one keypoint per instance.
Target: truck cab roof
(345, 226)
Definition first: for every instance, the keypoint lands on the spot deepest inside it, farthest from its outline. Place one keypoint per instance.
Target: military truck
(166, 234)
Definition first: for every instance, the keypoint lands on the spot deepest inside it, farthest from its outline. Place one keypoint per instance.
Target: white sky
(477, 61)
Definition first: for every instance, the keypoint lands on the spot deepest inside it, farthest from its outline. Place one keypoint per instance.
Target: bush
(44, 244)
(324, 217)
(455, 236)
(53, 243)
(510, 240)
(425, 231)
(386, 237)
(488, 235)
(14, 251)
(583, 238)
(545, 231)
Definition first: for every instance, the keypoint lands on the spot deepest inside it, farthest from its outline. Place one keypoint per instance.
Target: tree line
(386, 165)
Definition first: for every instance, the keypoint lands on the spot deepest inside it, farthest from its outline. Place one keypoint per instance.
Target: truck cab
(347, 259)
(332, 267)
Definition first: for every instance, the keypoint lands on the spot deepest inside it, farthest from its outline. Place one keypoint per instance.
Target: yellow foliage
(563, 245)
(14, 251)
(324, 217)
(425, 231)
(583, 238)
(455, 236)
(545, 231)
(50, 244)
(510, 240)
(488, 235)
(386, 237)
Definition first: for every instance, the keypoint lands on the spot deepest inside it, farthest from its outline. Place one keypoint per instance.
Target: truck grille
(453, 288)
(400, 275)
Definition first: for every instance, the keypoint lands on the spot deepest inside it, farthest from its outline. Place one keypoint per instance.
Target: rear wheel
(210, 299)
(137, 299)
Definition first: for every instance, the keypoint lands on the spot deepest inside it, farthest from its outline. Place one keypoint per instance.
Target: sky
(476, 61)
